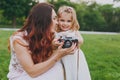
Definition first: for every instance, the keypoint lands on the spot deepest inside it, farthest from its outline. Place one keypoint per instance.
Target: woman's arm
(24, 56)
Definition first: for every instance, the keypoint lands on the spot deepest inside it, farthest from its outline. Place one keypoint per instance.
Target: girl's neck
(66, 30)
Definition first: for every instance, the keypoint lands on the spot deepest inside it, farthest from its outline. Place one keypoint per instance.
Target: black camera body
(68, 41)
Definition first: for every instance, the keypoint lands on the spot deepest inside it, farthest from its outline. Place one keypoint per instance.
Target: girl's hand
(80, 39)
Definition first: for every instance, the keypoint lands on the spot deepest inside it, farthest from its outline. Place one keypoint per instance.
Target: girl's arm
(80, 38)
(24, 56)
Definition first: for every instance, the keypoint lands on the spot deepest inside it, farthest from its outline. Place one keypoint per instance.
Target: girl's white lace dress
(16, 72)
(75, 65)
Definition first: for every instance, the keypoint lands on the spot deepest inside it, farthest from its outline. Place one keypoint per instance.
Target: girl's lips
(64, 26)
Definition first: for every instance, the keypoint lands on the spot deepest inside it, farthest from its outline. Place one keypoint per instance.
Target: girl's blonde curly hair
(69, 10)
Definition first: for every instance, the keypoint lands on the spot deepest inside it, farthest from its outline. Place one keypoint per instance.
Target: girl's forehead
(64, 14)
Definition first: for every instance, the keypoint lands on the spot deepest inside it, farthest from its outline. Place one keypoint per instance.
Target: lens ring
(67, 44)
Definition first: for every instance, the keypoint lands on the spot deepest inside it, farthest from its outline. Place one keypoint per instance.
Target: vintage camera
(68, 41)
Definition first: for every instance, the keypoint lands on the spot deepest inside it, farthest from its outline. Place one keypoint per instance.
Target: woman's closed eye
(55, 18)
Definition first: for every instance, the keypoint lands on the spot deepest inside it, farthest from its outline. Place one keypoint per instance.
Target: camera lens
(67, 44)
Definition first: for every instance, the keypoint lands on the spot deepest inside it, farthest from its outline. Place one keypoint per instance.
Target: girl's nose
(65, 23)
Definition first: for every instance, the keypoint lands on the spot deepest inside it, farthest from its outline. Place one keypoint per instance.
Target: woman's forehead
(53, 13)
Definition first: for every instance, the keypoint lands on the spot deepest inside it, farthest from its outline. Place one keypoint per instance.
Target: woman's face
(65, 21)
(54, 21)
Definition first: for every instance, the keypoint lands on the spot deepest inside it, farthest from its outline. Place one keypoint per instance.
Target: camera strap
(78, 64)
(64, 72)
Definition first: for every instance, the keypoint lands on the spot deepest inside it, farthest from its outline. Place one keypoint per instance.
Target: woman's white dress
(16, 72)
(75, 65)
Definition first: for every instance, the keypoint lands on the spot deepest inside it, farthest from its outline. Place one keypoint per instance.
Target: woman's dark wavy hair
(39, 35)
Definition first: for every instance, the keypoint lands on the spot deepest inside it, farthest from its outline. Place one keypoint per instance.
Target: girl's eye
(62, 20)
(69, 20)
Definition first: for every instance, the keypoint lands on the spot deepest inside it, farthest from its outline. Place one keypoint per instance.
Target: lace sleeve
(19, 38)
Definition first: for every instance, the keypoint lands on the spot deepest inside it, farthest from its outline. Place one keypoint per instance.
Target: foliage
(110, 16)
(60, 3)
(91, 17)
(13, 9)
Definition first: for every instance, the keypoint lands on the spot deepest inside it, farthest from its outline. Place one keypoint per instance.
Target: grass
(103, 56)
(4, 54)
(102, 53)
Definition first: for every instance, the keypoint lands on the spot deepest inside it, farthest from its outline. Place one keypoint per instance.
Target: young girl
(75, 65)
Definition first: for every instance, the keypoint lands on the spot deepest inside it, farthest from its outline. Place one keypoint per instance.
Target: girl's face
(65, 21)
(54, 21)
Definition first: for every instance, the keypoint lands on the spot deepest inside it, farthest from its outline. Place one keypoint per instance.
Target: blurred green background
(102, 51)
(91, 15)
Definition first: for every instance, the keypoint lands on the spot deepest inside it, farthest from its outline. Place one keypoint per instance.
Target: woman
(32, 53)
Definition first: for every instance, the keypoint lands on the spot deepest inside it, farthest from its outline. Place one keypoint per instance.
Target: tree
(13, 9)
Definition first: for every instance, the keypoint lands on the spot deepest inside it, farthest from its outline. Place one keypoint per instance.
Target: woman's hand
(61, 52)
(67, 51)
(56, 43)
